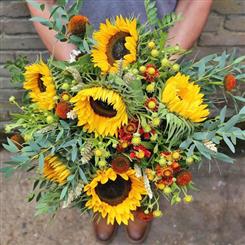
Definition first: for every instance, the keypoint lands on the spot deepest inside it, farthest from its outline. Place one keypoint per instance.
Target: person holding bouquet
(184, 34)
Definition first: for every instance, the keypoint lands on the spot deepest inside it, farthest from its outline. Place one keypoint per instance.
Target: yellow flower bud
(188, 198)
(65, 86)
(150, 87)
(142, 69)
(102, 163)
(151, 45)
(165, 62)
(176, 67)
(151, 70)
(154, 53)
(167, 190)
(157, 213)
(176, 155)
(151, 105)
(98, 153)
(156, 121)
(50, 119)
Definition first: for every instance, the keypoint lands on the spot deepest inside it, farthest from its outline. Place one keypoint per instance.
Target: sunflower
(115, 195)
(184, 98)
(115, 42)
(38, 79)
(55, 170)
(100, 110)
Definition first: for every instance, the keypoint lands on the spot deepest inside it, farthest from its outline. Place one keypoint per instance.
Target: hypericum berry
(151, 45)
(136, 140)
(176, 67)
(156, 121)
(154, 53)
(50, 119)
(167, 190)
(189, 160)
(98, 153)
(162, 162)
(165, 62)
(142, 69)
(157, 213)
(150, 88)
(65, 86)
(188, 198)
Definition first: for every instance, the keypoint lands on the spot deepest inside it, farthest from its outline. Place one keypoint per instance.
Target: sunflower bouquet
(121, 124)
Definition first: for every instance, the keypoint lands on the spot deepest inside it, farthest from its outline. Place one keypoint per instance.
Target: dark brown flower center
(102, 108)
(40, 83)
(114, 192)
(116, 49)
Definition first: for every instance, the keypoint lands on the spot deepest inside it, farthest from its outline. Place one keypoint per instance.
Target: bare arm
(187, 31)
(61, 50)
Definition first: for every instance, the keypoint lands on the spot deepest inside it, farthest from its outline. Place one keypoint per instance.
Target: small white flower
(73, 55)
(147, 186)
(138, 172)
(210, 145)
(71, 114)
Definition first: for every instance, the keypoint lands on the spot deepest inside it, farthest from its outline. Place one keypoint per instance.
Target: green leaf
(242, 99)
(229, 143)
(223, 157)
(202, 149)
(35, 184)
(222, 114)
(71, 177)
(63, 193)
(11, 147)
(242, 111)
(239, 60)
(41, 161)
(60, 65)
(151, 11)
(82, 175)
(35, 4)
(74, 153)
(41, 20)
(230, 123)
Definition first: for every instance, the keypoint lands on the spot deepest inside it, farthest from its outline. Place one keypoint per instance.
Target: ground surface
(216, 216)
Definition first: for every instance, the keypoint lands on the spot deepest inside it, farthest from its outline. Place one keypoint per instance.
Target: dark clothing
(98, 10)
